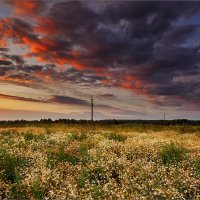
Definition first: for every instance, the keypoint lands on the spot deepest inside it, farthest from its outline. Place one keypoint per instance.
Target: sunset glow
(137, 59)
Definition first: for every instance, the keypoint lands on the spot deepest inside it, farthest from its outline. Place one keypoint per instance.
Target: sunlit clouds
(137, 59)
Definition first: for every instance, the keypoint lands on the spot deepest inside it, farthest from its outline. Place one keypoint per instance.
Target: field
(93, 161)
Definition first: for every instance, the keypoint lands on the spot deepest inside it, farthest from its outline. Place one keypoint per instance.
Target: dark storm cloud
(83, 103)
(73, 75)
(80, 17)
(5, 69)
(16, 58)
(32, 68)
(130, 10)
(68, 100)
(4, 96)
(5, 62)
(5, 55)
(149, 17)
(137, 45)
(107, 47)
(74, 101)
(180, 34)
(18, 28)
(4, 49)
(108, 96)
(20, 76)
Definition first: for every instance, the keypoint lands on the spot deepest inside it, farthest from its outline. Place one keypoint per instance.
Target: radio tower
(92, 109)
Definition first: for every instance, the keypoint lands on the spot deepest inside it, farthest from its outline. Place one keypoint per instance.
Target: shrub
(94, 176)
(83, 149)
(9, 133)
(55, 158)
(10, 166)
(98, 176)
(188, 129)
(84, 154)
(37, 190)
(117, 137)
(18, 191)
(48, 131)
(156, 128)
(97, 192)
(197, 165)
(82, 178)
(78, 137)
(28, 136)
(172, 154)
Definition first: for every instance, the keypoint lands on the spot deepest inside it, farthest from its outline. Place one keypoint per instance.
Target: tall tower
(92, 108)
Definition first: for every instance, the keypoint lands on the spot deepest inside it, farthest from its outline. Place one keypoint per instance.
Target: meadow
(96, 161)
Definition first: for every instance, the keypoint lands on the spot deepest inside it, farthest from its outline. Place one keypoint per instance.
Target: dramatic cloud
(4, 49)
(5, 62)
(108, 95)
(3, 96)
(27, 8)
(151, 48)
(69, 100)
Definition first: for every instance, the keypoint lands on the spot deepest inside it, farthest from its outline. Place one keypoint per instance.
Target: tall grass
(117, 137)
(10, 165)
(172, 154)
(54, 158)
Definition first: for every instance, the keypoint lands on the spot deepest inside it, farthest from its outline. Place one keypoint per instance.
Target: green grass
(28, 136)
(82, 178)
(99, 162)
(172, 154)
(10, 165)
(9, 133)
(96, 176)
(84, 153)
(37, 190)
(117, 137)
(18, 191)
(54, 158)
(197, 165)
(78, 137)
(97, 192)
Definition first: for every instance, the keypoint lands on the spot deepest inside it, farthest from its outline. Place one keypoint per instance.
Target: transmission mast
(92, 108)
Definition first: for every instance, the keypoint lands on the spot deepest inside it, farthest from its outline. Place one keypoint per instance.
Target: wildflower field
(93, 161)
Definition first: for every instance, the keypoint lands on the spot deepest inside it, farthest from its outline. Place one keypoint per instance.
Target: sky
(137, 59)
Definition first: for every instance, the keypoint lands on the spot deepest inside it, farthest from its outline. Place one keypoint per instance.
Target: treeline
(106, 122)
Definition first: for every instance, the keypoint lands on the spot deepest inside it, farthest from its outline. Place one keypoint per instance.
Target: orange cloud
(28, 8)
(46, 77)
(46, 50)
(5, 29)
(46, 26)
(36, 47)
(15, 80)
